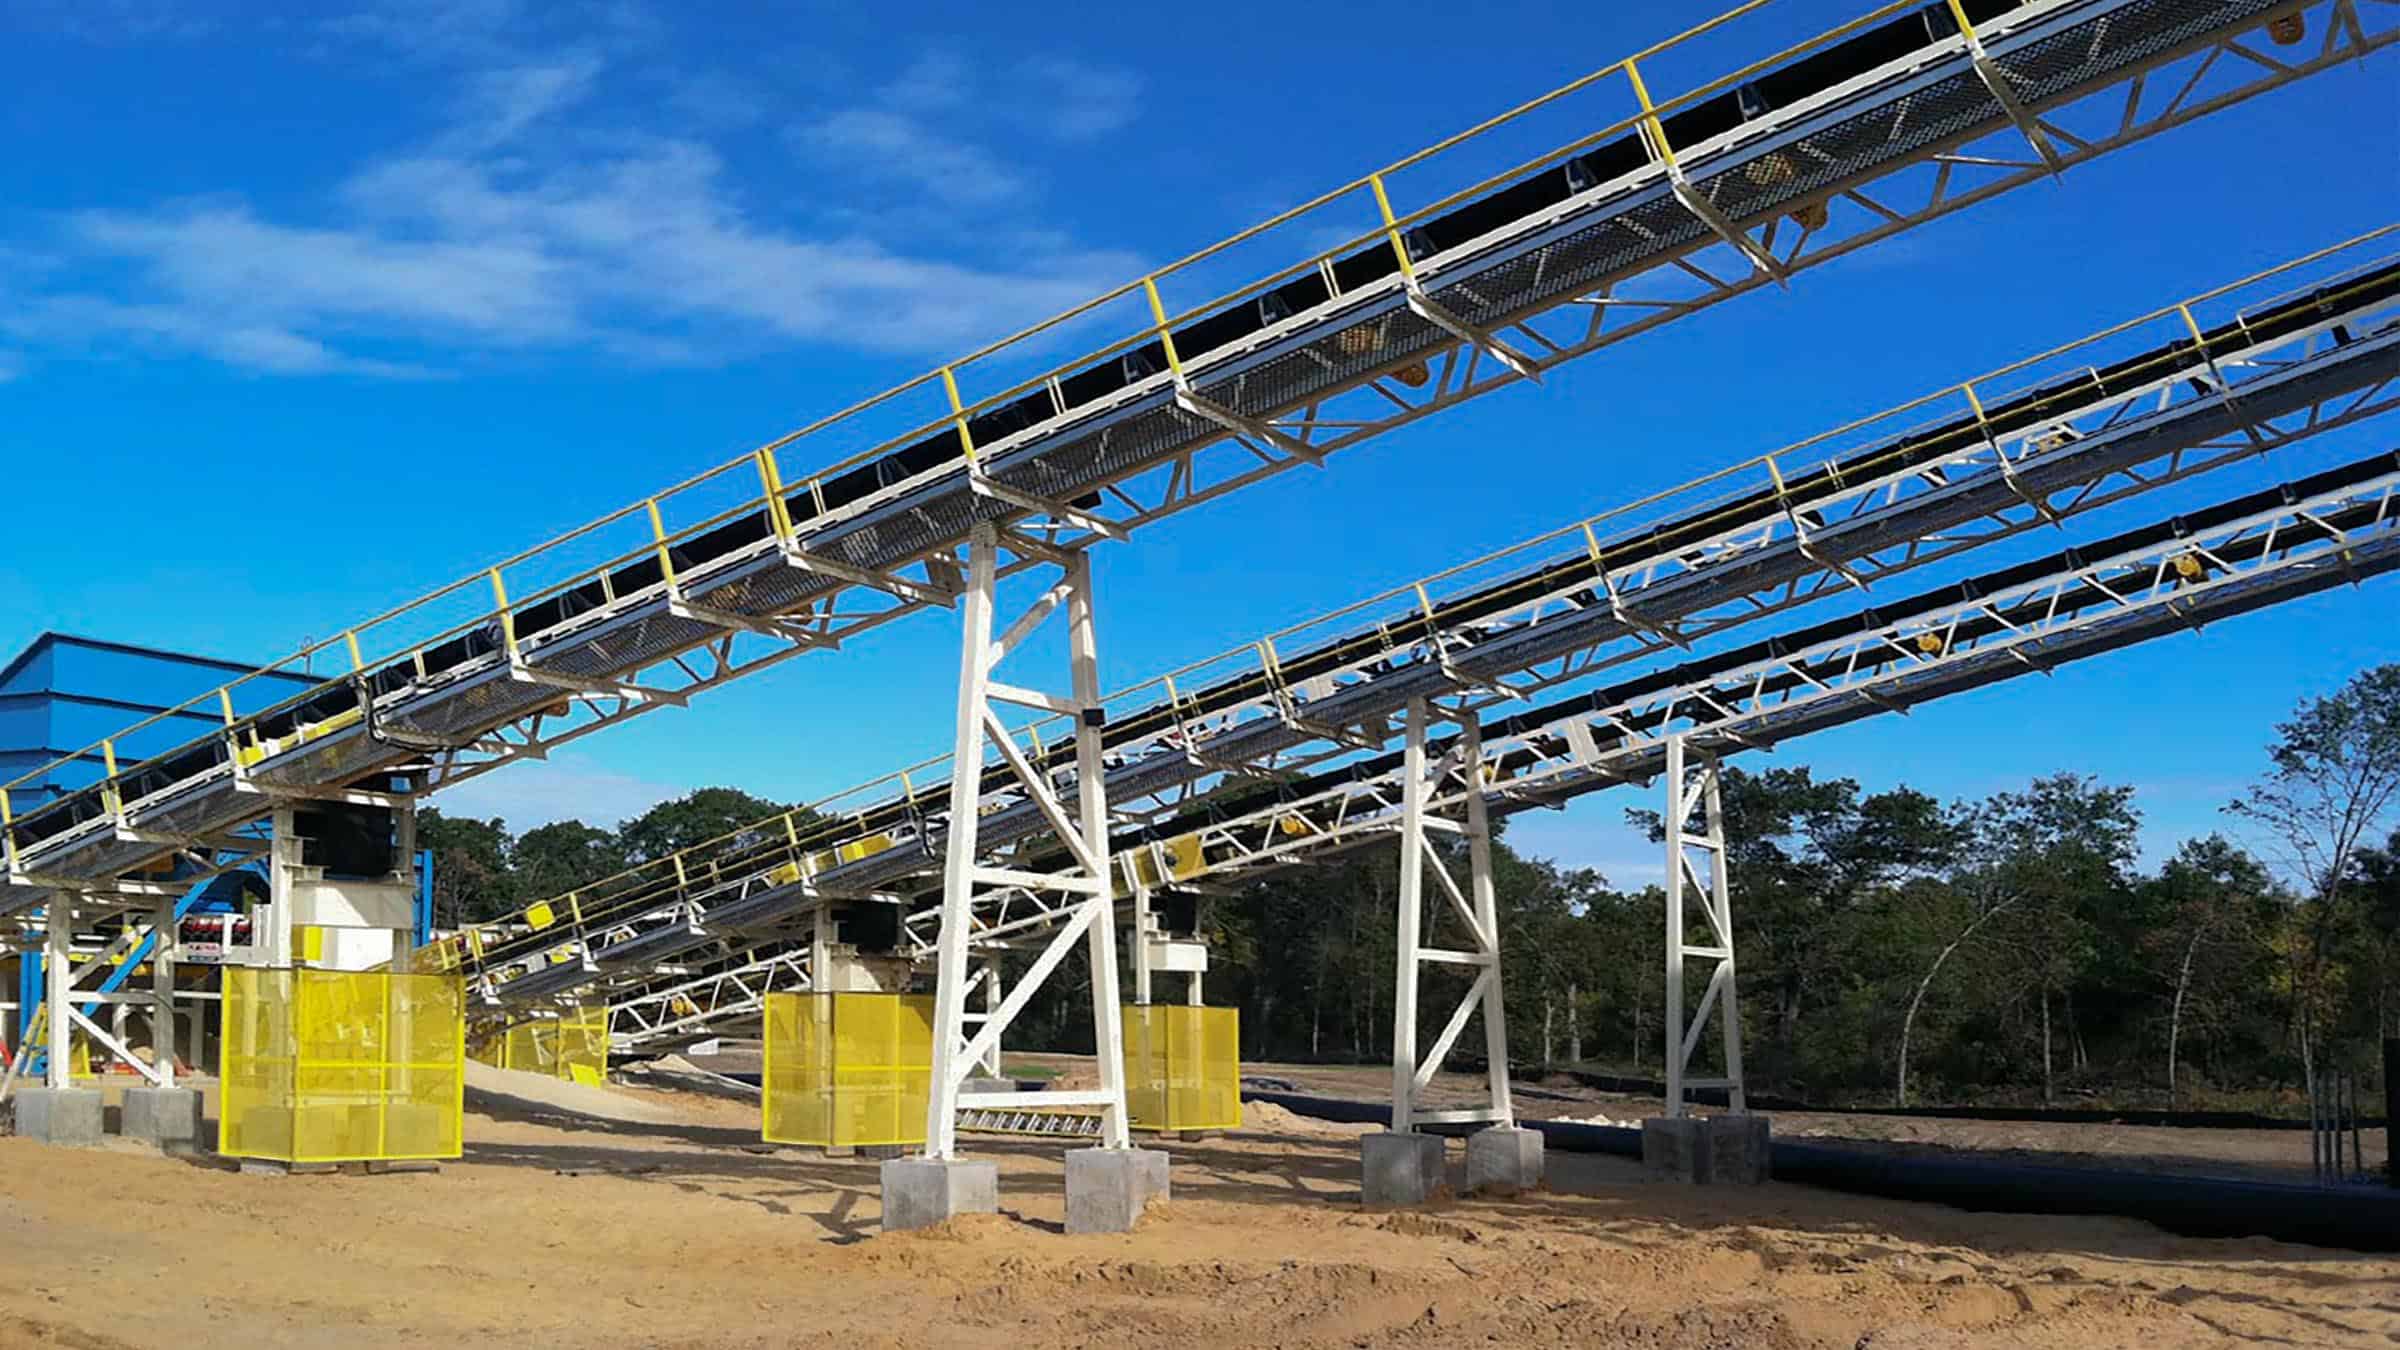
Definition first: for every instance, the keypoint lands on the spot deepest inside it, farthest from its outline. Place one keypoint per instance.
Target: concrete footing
(1712, 1150)
(981, 1084)
(1399, 1169)
(1107, 1188)
(167, 1117)
(70, 1116)
(1504, 1160)
(921, 1192)
(1740, 1151)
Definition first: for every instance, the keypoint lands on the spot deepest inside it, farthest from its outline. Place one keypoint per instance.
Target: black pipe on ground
(2391, 1108)
(2321, 1216)
(2061, 1115)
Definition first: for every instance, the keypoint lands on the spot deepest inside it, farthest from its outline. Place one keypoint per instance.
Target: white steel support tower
(1694, 822)
(1090, 915)
(1478, 915)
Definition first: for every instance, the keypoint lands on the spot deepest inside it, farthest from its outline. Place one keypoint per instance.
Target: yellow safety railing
(955, 412)
(573, 1046)
(814, 830)
(847, 1070)
(1183, 1067)
(322, 1066)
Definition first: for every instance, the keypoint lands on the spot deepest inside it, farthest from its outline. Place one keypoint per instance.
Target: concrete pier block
(1712, 1150)
(921, 1192)
(167, 1117)
(1739, 1150)
(1675, 1148)
(982, 1084)
(1504, 1160)
(69, 1116)
(1399, 1169)
(1107, 1188)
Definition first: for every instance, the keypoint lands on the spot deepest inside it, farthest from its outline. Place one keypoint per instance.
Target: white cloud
(894, 146)
(491, 32)
(935, 81)
(489, 237)
(1076, 101)
(106, 21)
(500, 104)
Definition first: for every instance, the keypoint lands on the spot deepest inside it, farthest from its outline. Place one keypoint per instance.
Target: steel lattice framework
(1630, 592)
(1937, 128)
(2264, 549)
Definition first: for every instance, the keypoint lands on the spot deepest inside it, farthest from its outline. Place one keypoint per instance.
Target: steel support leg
(1476, 911)
(989, 1065)
(162, 991)
(58, 981)
(1411, 917)
(1092, 917)
(1487, 918)
(1143, 981)
(1696, 870)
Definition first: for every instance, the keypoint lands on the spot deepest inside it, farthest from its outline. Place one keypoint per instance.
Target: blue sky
(300, 316)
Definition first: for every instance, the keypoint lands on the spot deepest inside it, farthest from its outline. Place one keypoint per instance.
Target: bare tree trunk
(1574, 1024)
(2049, 1086)
(1908, 1023)
(1549, 1016)
(2183, 981)
(1316, 1020)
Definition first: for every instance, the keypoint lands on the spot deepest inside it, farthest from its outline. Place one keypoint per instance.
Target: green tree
(2036, 867)
(472, 881)
(553, 859)
(2331, 785)
(694, 818)
(2208, 915)
(1803, 853)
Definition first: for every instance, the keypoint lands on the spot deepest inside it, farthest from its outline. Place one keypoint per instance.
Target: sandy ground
(569, 1230)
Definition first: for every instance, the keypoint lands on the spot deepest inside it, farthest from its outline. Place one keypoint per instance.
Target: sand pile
(1268, 1118)
(514, 1092)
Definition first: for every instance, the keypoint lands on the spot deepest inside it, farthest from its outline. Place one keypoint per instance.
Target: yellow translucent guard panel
(847, 1069)
(1183, 1067)
(341, 1066)
(572, 1045)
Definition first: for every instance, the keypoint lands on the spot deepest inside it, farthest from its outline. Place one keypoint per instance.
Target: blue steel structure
(65, 691)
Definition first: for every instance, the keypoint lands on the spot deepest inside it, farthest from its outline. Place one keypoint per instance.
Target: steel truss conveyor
(1778, 166)
(2296, 539)
(2275, 374)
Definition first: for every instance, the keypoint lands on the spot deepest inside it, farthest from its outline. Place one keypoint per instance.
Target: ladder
(1050, 1123)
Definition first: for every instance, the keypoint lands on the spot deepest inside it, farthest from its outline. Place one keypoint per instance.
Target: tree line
(1894, 948)
(1890, 947)
(483, 872)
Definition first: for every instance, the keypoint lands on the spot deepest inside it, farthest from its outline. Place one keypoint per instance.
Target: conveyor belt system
(2296, 539)
(2323, 358)
(1456, 286)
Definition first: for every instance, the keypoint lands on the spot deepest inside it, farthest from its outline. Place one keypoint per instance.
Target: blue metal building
(63, 694)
